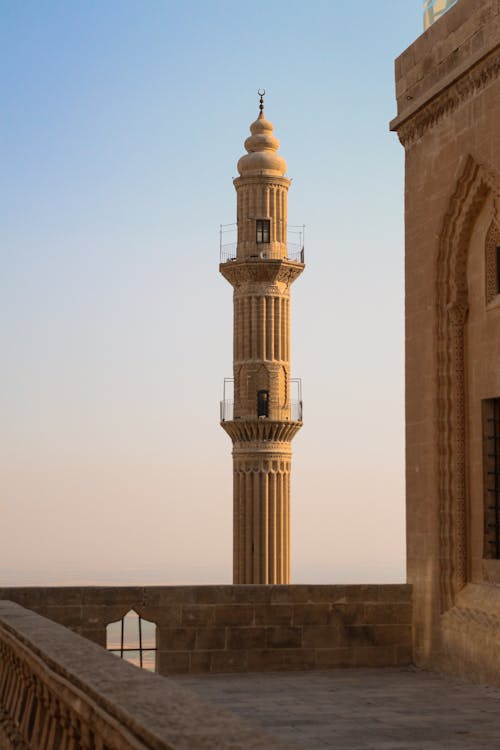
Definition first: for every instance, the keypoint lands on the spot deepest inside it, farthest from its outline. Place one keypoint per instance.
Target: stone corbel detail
(239, 272)
(272, 430)
(484, 73)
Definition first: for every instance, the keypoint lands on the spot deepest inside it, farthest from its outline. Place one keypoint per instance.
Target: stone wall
(58, 690)
(448, 96)
(244, 628)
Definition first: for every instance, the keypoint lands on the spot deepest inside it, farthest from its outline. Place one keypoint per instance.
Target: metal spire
(261, 103)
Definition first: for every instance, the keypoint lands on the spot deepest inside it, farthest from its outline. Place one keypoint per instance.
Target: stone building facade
(448, 95)
(262, 418)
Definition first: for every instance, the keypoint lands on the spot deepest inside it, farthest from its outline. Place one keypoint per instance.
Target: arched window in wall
(492, 263)
(134, 639)
(491, 412)
(263, 403)
(491, 457)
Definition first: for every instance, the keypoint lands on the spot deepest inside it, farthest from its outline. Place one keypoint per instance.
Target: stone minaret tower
(264, 417)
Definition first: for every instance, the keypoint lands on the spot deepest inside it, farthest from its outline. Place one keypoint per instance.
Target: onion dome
(262, 146)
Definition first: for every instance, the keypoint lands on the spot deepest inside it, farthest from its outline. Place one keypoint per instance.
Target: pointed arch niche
(134, 639)
(471, 213)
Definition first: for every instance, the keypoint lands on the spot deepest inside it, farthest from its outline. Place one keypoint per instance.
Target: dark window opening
(491, 432)
(498, 269)
(263, 403)
(263, 230)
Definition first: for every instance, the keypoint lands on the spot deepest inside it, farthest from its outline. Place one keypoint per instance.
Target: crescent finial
(261, 95)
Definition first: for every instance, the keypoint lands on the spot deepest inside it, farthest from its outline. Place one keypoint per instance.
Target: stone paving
(379, 709)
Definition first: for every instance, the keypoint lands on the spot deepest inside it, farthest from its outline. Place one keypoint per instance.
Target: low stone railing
(244, 628)
(59, 691)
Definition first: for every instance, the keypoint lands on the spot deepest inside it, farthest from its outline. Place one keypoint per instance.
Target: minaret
(264, 416)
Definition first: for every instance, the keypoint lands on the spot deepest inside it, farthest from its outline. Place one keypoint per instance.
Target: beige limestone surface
(58, 690)
(448, 94)
(261, 274)
(243, 628)
(361, 709)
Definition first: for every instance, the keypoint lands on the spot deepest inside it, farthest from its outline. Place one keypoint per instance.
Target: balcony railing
(227, 411)
(295, 402)
(295, 252)
(296, 411)
(228, 252)
(228, 244)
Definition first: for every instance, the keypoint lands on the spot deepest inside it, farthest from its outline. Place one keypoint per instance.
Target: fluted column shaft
(261, 519)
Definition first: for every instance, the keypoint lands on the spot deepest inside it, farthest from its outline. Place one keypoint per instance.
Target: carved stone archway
(473, 188)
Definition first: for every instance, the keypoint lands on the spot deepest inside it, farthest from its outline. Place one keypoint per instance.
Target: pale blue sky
(121, 127)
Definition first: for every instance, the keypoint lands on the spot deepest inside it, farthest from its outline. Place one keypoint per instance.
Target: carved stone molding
(259, 288)
(269, 430)
(477, 617)
(260, 179)
(476, 79)
(272, 271)
(472, 190)
(273, 463)
(255, 451)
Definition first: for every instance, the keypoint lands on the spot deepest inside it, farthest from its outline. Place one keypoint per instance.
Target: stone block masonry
(448, 115)
(244, 628)
(58, 690)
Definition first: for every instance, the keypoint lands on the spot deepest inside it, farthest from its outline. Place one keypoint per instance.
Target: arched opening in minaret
(134, 639)
(262, 403)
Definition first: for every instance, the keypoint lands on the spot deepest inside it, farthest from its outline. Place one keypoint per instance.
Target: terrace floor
(379, 709)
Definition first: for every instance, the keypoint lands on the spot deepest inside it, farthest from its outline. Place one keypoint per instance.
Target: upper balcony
(229, 245)
(262, 408)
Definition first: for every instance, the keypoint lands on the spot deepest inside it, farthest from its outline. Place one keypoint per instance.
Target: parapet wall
(58, 690)
(244, 628)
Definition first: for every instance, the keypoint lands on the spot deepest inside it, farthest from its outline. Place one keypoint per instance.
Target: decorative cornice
(261, 430)
(271, 180)
(272, 271)
(259, 289)
(412, 127)
(477, 618)
(267, 451)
